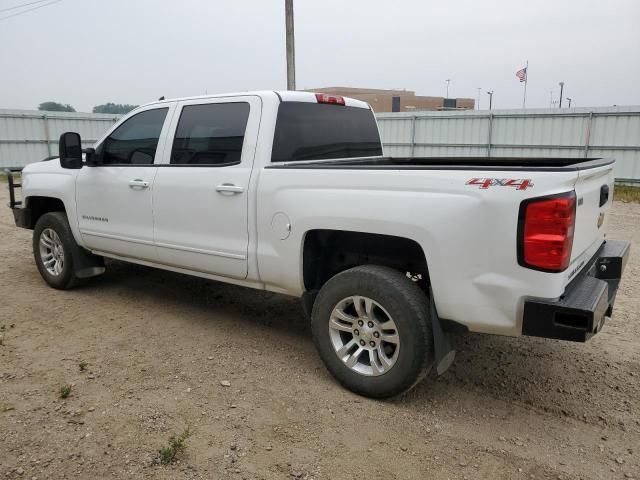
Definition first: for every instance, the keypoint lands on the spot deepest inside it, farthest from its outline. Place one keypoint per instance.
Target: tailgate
(594, 193)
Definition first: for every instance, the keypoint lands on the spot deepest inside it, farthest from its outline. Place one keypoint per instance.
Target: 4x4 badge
(517, 183)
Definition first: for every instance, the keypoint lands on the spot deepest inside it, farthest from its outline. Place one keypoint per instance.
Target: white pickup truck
(290, 192)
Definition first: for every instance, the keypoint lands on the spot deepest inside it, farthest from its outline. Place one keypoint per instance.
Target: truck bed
(452, 163)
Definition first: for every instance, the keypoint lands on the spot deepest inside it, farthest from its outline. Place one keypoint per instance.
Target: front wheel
(52, 247)
(372, 329)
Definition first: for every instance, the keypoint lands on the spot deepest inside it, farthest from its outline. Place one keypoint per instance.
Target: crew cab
(290, 192)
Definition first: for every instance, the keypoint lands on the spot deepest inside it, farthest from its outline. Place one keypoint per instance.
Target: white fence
(27, 136)
(577, 132)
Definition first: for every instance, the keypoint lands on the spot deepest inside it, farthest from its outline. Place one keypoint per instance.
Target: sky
(89, 52)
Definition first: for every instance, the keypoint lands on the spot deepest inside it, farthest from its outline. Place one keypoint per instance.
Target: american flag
(522, 74)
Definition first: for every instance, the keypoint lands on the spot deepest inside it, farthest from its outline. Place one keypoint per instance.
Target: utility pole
(291, 46)
(448, 80)
(550, 98)
(478, 105)
(490, 93)
(561, 89)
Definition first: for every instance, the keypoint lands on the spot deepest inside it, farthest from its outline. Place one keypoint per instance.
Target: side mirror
(70, 150)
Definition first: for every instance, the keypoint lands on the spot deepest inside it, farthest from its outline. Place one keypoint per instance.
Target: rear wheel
(372, 329)
(52, 246)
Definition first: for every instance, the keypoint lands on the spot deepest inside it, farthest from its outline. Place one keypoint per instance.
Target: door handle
(138, 183)
(229, 188)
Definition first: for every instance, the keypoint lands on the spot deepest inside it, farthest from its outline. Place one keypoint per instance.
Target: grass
(83, 366)
(177, 444)
(625, 193)
(65, 391)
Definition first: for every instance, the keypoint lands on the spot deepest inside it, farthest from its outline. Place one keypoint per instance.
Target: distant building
(399, 100)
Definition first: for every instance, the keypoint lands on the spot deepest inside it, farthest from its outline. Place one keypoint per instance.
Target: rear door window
(313, 131)
(210, 134)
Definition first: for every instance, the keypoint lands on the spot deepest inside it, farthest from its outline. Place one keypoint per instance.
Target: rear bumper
(581, 311)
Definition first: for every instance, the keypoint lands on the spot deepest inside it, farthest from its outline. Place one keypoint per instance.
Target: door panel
(115, 198)
(200, 198)
(197, 227)
(114, 216)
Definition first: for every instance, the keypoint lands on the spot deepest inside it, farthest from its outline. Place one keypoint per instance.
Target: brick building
(399, 100)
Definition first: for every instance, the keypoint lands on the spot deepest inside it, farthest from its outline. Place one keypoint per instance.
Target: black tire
(405, 302)
(56, 221)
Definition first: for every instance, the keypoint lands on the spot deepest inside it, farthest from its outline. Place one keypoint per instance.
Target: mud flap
(307, 300)
(85, 263)
(443, 353)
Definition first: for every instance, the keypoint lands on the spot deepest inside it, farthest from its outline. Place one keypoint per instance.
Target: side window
(135, 141)
(210, 134)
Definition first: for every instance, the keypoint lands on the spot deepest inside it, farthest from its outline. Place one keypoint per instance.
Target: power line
(21, 6)
(29, 10)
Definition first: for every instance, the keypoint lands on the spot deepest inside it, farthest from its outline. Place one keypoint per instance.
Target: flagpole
(526, 79)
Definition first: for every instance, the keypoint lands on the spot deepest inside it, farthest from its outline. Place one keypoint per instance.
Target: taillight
(545, 232)
(334, 99)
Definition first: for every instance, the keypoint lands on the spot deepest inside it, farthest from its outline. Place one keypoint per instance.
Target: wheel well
(38, 206)
(328, 252)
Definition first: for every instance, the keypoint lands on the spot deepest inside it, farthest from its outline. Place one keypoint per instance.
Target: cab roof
(283, 95)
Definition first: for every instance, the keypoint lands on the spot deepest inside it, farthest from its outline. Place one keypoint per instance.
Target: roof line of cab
(283, 96)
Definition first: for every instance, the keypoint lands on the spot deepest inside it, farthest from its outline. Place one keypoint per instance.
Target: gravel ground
(167, 352)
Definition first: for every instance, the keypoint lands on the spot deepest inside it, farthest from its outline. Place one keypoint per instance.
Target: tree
(116, 108)
(55, 107)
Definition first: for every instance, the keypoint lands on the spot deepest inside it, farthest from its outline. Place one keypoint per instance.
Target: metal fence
(27, 136)
(577, 132)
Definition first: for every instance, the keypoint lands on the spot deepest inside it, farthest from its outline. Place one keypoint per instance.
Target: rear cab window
(317, 131)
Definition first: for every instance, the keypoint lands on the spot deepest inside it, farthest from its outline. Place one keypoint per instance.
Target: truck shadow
(208, 297)
(547, 375)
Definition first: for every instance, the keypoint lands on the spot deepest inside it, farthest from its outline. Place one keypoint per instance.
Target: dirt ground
(159, 345)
